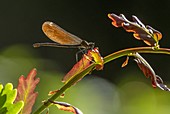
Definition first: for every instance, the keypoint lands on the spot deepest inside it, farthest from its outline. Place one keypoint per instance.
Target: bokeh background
(114, 90)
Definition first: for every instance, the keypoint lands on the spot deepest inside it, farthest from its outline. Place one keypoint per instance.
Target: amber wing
(59, 35)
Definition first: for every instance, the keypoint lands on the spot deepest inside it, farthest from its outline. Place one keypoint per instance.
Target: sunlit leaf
(125, 62)
(26, 87)
(7, 97)
(98, 59)
(78, 67)
(67, 107)
(141, 32)
(149, 72)
(92, 55)
(55, 91)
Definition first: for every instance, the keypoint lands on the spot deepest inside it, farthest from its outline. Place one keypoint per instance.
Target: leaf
(141, 32)
(149, 72)
(7, 97)
(3, 110)
(92, 55)
(3, 100)
(54, 92)
(2, 103)
(26, 87)
(67, 107)
(78, 67)
(98, 59)
(125, 63)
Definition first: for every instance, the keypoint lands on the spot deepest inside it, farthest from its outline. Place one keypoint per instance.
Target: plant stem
(125, 52)
(86, 71)
(72, 81)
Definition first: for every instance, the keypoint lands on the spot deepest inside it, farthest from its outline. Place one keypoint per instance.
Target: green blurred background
(114, 90)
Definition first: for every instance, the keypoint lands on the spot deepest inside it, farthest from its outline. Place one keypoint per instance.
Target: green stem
(125, 52)
(72, 81)
(86, 71)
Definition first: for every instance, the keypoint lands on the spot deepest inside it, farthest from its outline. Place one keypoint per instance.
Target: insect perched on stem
(65, 39)
(62, 38)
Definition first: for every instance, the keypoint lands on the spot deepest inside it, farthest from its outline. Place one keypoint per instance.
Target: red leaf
(25, 91)
(78, 67)
(141, 32)
(149, 72)
(67, 107)
(92, 55)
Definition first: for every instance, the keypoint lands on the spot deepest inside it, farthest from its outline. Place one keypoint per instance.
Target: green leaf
(1, 87)
(2, 100)
(16, 108)
(3, 110)
(7, 98)
(10, 93)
